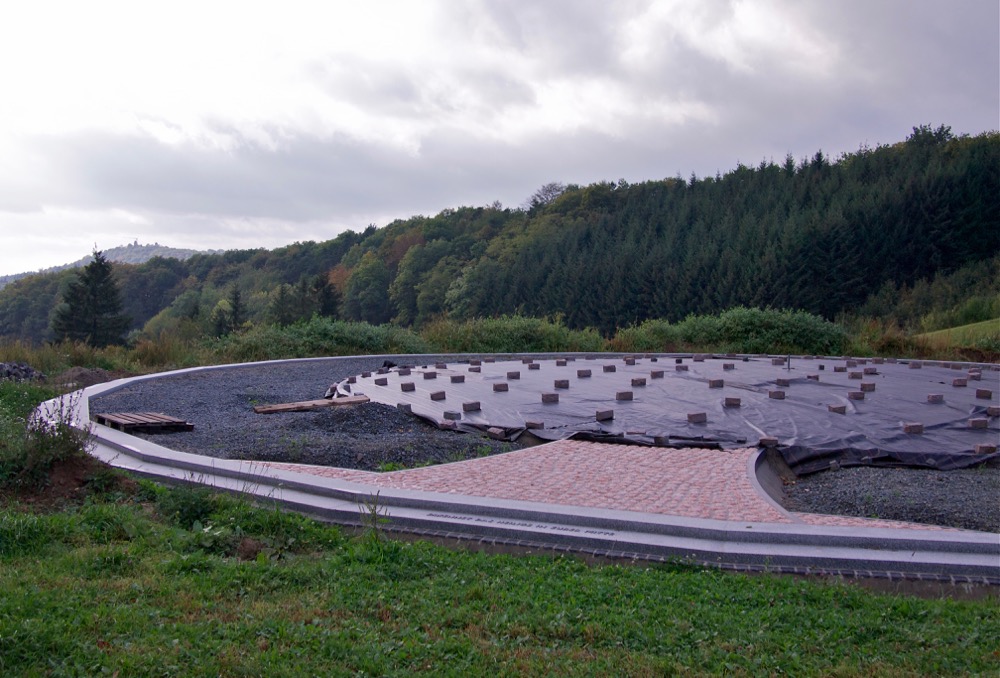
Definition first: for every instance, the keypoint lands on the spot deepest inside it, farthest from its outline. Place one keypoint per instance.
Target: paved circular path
(693, 483)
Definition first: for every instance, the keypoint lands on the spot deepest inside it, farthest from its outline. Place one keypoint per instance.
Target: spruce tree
(91, 308)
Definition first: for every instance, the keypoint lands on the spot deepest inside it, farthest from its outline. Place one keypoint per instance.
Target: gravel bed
(220, 404)
(965, 498)
(375, 437)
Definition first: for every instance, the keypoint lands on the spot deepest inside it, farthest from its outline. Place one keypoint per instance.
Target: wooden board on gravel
(308, 405)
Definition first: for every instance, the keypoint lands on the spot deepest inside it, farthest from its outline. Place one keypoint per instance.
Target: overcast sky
(221, 125)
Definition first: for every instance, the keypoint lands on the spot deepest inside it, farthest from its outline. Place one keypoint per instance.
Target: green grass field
(966, 335)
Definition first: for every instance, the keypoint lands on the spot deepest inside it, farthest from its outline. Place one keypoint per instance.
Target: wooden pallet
(143, 422)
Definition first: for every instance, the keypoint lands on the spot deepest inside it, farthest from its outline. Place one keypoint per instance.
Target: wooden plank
(309, 405)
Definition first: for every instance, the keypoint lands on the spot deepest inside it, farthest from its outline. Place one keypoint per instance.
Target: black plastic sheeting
(659, 400)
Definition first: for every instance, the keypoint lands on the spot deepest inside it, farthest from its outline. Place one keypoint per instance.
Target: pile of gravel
(375, 437)
(19, 372)
(966, 498)
(220, 405)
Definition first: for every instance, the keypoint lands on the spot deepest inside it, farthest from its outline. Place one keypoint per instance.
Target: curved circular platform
(703, 505)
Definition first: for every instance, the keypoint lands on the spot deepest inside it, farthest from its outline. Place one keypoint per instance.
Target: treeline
(902, 231)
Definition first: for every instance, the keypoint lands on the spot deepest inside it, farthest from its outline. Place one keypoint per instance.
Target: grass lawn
(180, 582)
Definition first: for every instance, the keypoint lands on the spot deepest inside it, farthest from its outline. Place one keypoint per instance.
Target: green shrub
(510, 334)
(185, 506)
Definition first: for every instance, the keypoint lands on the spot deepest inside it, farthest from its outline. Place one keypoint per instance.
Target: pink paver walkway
(693, 483)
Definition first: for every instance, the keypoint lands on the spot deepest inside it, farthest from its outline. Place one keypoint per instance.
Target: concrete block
(993, 411)
(868, 386)
(822, 368)
(678, 361)
(560, 363)
(697, 417)
(534, 366)
(783, 382)
(681, 368)
(935, 398)
(452, 416)
(382, 370)
(475, 363)
(352, 380)
(638, 381)
(534, 425)
(501, 387)
(959, 383)
(913, 427)
(892, 361)
(407, 386)
(605, 415)
(716, 383)
(630, 361)
(878, 361)
(979, 422)
(437, 395)
(984, 394)
(458, 378)
(729, 366)
(496, 433)
(610, 368)
(837, 409)
(661, 441)
(776, 395)
(472, 406)
(852, 363)
(777, 361)
(447, 425)
(623, 395)
(550, 398)
(731, 402)
(404, 371)
(381, 381)
(812, 377)
(767, 441)
(656, 374)
(366, 374)
(856, 395)
(975, 376)
(405, 407)
(583, 374)
(914, 365)
(855, 375)
(561, 383)
(699, 358)
(839, 368)
(430, 375)
(870, 370)
(476, 369)
(511, 376)
(440, 366)
(985, 449)
(527, 361)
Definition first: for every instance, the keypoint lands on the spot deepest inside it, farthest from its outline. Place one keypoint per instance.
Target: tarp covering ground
(819, 410)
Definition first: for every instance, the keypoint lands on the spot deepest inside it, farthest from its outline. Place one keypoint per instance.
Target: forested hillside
(912, 225)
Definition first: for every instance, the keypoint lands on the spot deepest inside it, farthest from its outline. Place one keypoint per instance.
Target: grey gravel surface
(220, 405)
(368, 437)
(965, 498)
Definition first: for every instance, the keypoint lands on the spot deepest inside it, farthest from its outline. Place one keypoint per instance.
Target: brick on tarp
(604, 415)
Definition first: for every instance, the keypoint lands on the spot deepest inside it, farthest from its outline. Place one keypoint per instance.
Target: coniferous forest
(907, 232)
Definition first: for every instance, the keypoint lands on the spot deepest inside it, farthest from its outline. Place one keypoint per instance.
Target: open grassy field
(966, 335)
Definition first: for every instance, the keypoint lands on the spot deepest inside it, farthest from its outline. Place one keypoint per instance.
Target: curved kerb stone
(789, 546)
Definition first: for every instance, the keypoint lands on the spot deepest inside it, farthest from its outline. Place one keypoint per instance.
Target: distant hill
(133, 253)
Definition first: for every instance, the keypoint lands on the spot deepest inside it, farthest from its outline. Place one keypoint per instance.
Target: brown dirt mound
(69, 482)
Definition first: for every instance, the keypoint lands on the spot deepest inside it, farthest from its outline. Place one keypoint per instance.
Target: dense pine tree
(91, 308)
